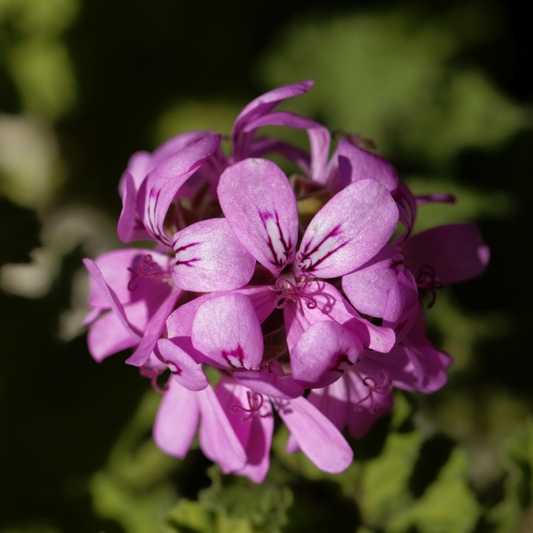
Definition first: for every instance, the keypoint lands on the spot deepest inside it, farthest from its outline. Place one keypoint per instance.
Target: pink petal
(362, 417)
(253, 428)
(357, 164)
(348, 231)
(332, 401)
(153, 331)
(107, 337)
(323, 353)
(331, 305)
(210, 258)
(227, 331)
(133, 274)
(130, 226)
(217, 437)
(270, 384)
(112, 298)
(368, 287)
(259, 204)
(401, 307)
(164, 182)
(319, 138)
(266, 145)
(406, 203)
(185, 370)
(317, 437)
(258, 449)
(258, 107)
(176, 420)
(455, 252)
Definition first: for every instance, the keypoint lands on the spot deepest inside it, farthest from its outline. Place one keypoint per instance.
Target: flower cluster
(304, 293)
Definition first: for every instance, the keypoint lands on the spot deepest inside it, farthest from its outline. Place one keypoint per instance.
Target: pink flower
(237, 280)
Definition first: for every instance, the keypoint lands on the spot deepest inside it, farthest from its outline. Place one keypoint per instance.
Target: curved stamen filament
(383, 388)
(146, 269)
(428, 280)
(294, 293)
(153, 374)
(255, 401)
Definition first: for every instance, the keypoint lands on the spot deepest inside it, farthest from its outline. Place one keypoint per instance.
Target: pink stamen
(255, 401)
(146, 269)
(428, 280)
(383, 388)
(294, 293)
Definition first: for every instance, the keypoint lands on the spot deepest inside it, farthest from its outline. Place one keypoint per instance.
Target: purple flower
(237, 280)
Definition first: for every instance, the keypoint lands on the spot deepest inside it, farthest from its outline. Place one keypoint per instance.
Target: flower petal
(185, 370)
(259, 204)
(258, 107)
(210, 258)
(165, 180)
(331, 305)
(319, 138)
(228, 333)
(112, 298)
(130, 226)
(357, 164)
(317, 437)
(401, 307)
(455, 252)
(348, 231)
(176, 420)
(269, 383)
(153, 331)
(368, 287)
(332, 401)
(217, 437)
(323, 353)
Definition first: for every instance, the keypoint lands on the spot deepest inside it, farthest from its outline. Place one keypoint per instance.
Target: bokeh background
(444, 89)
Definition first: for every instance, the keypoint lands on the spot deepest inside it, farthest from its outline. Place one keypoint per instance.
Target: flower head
(278, 299)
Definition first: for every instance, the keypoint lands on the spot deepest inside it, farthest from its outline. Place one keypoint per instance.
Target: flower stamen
(255, 401)
(383, 388)
(429, 281)
(294, 293)
(146, 269)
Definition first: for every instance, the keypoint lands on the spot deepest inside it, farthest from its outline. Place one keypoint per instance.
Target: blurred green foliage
(443, 91)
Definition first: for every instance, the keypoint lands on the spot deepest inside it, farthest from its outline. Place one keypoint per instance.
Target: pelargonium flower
(279, 284)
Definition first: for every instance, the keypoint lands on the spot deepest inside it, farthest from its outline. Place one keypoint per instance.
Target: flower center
(294, 292)
(147, 268)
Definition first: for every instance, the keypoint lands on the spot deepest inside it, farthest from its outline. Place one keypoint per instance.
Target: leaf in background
(392, 79)
(515, 512)
(134, 488)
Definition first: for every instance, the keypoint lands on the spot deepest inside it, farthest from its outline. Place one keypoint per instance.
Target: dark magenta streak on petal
(235, 353)
(342, 358)
(172, 365)
(187, 263)
(286, 245)
(151, 219)
(181, 248)
(307, 254)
